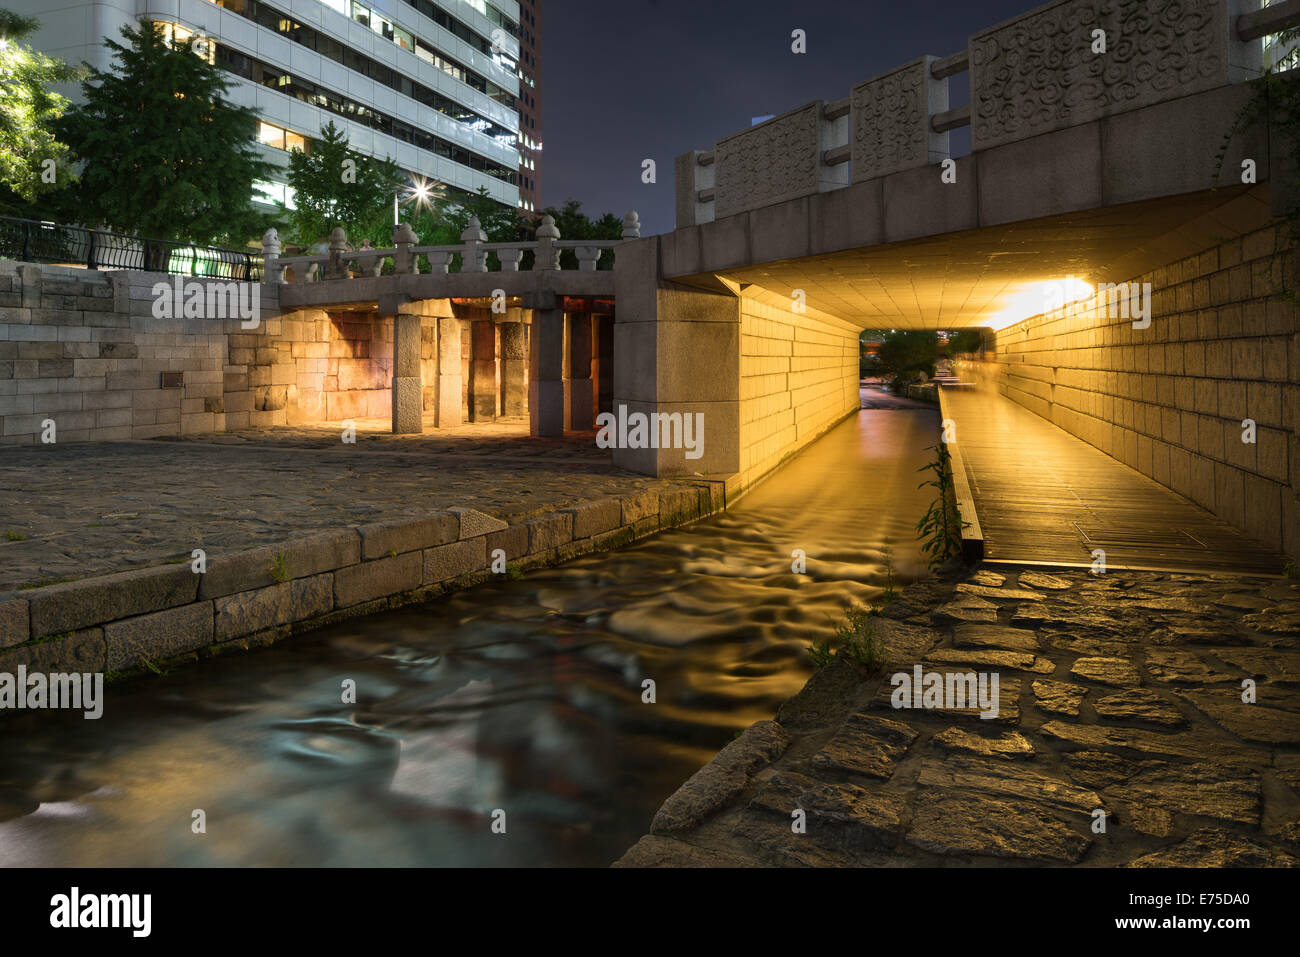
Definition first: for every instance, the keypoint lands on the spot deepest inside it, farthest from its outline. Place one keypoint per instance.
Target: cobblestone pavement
(1121, 696)
(82, 509)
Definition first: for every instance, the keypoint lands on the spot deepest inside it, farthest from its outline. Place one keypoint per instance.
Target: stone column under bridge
(414, 324)
(513, 339)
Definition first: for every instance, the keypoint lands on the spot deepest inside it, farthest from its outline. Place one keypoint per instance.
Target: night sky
(627, 80)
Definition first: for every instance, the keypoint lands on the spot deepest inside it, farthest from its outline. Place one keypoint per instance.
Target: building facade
(433, 84)
(530, 104)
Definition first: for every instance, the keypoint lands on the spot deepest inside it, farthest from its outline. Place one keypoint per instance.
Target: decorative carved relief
(770, 163)
(1038, 73)
(891, 122)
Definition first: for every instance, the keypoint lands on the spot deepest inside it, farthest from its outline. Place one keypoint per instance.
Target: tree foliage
(167, 155)
(335, 185)
(29, 108)
(907, 352)
(965, 341)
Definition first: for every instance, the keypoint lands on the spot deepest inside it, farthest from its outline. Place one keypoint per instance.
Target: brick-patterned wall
(84, 349)
(1169, 400)
(798, 377)
(319, 366)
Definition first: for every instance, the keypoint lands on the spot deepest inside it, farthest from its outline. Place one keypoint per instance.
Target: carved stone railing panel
(1038, 72)
(891, 121)
(769, 163)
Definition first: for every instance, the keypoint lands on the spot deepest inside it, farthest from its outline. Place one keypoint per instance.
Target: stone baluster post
(588, 256)
(439, 260)
(548, 256)
(474, 258)
(403, 239)
(337, 268)
(510, 259)
(631, 225)
(271, 269)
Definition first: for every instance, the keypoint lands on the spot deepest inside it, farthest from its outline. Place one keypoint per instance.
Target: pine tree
(167, 155)
(336, 186)
(28, 111)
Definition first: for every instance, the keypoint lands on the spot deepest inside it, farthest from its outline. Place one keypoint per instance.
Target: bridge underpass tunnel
(1157, 332)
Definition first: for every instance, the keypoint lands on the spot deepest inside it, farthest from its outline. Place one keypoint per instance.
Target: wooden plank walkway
(1044, 496)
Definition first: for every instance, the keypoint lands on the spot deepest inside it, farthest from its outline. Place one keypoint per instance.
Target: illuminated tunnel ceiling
(984, 277)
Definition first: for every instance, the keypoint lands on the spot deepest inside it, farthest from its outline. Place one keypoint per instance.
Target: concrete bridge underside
(753, 319)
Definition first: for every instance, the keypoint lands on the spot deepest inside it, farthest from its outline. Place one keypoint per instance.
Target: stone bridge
(555, 322)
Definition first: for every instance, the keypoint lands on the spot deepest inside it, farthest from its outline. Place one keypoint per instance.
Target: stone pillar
(546, 406)
(514, 367)
(408, 382)
(676, 350)
(483, 371)
(602, 362)
(449, 384)
(580, 399)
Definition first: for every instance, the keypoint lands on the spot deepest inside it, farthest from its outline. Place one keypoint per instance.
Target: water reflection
(521, 696)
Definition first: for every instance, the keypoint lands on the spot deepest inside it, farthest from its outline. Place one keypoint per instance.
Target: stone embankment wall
(84, 350)
(798, 377)
(1170, 400)
(148, 616)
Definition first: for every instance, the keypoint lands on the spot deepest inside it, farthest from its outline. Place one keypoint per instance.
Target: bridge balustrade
(405, 255)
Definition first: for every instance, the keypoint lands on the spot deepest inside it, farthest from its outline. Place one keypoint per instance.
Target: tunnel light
(1035, 298)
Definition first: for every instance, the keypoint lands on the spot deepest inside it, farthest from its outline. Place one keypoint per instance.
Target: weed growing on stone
(855, 640)
(890, 593)
(48, 581)
(13, 535)
(160, 672)
(820, 653)
(858, 641)
(1289, 570)
(280, 568)
(940, 527)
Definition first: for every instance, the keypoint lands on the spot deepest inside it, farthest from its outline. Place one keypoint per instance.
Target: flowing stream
(521, 696)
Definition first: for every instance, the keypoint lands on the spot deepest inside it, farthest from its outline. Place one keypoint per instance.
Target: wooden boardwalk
(1044, 496)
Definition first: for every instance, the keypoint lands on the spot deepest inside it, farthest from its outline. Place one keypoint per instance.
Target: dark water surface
(523, 696)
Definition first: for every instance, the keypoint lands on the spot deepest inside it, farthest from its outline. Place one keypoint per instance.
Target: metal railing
(31, 241)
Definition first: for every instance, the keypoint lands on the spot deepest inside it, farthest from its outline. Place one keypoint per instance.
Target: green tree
(28, 111)
(904, 353)
(965, 341)
(167, 155)
(334, 185)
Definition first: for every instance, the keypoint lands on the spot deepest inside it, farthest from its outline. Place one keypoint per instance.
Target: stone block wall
(319, 366)
(1170, 400)
(84, 350)
(798, 377)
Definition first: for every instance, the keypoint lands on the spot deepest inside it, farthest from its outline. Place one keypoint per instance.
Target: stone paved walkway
(82, 509)
(1120, 696)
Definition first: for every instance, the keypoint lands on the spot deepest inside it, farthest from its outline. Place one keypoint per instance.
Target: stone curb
(169, 613)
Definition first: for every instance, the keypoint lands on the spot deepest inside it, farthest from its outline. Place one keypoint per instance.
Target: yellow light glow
(1035, 298)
